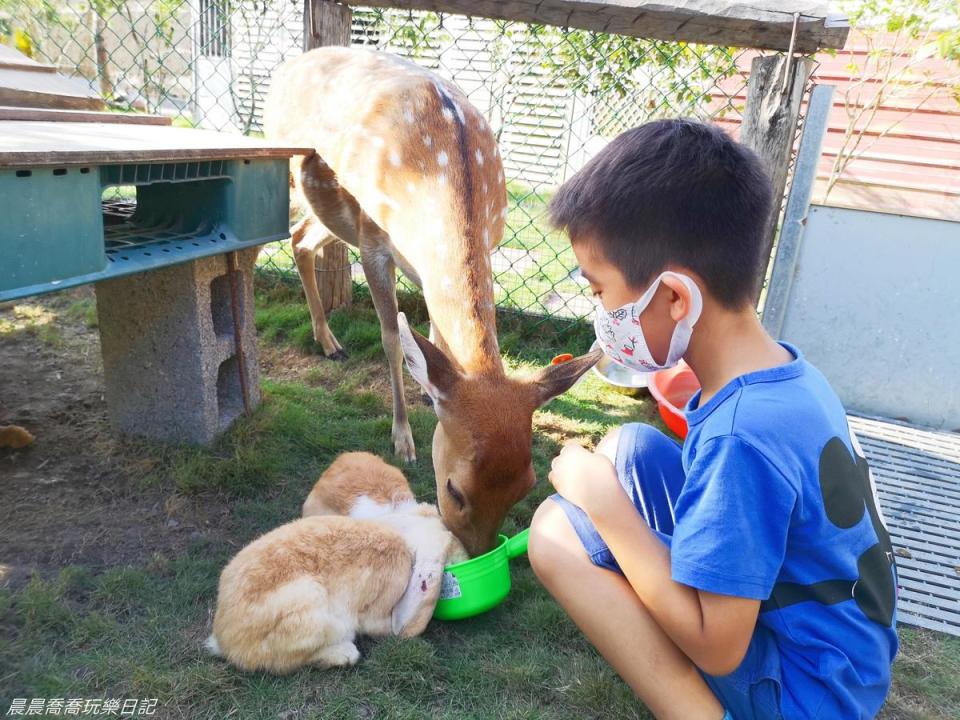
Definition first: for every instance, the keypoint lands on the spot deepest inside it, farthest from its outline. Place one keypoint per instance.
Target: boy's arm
(713, 630)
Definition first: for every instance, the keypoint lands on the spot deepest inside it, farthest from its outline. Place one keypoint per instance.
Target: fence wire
(553, 96)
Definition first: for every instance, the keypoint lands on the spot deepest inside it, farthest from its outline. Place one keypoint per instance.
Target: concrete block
(169, 355)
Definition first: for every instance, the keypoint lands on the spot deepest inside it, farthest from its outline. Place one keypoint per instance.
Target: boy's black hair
(673, 192)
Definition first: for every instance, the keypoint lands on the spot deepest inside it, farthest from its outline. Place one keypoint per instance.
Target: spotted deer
(409, 172)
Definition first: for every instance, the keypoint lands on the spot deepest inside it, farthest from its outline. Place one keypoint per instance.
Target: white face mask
(621, 335)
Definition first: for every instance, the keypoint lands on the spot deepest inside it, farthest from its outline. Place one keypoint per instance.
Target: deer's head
(482, 443)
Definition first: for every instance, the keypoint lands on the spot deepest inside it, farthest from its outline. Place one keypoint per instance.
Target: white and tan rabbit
(302, 593)
(360, 485)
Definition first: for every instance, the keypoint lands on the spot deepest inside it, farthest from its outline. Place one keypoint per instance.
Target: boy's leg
(606, 609)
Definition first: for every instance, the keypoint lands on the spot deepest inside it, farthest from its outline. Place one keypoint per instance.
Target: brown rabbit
(358, 484)
(302, 593)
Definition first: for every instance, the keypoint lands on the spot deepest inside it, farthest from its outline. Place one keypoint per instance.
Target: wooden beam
(774, 94)
(328, 23)
(32, 143)
(19, 113)
(762, 24)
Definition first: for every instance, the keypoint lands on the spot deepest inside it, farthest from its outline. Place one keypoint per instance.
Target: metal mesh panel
(553, 96)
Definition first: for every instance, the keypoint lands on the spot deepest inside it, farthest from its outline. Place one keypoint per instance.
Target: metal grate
(917, 474)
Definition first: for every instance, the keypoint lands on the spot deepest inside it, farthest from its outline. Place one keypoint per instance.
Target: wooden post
(770, 126)
(328, 23)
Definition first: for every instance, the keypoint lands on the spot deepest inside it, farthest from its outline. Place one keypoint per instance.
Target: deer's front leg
(308, 237)
(380, 271)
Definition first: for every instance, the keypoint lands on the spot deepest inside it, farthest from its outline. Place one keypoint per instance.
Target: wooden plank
(11, 59)
(769, 127)
(24, 88)
(42, 144)
(763, 24)
(21, 113)
(327, 23)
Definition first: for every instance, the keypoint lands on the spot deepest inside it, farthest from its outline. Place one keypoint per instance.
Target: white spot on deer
(500, 176)
(484, 188)
(384, 199)
(486, 237)
(395, 158)
(447, 283)
(459, 111)
(408, 114)
(441, 179)
(377, 141)
(411, 187)
(448, 114)
(427, 140)
(504, 211)
(479, 156)
(442, 158)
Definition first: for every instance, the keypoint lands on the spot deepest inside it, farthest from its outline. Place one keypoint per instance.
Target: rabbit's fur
(302, 593)
(361, 485)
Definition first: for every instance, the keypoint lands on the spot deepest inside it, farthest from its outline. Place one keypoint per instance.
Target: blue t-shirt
(778, 506)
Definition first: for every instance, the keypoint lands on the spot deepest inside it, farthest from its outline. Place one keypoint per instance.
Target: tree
(900, 35)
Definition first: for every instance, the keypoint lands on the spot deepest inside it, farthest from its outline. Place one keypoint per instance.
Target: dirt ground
(56, 493)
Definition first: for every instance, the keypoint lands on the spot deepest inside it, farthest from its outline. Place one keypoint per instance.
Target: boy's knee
(648, 440)
(608, 446)
(552, 544)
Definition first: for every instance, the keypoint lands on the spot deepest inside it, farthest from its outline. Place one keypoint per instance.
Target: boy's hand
(586, 479)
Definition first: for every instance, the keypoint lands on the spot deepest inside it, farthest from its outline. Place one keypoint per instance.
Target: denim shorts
(649, 468)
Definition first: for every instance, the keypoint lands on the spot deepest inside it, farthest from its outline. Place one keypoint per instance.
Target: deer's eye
(456, 494)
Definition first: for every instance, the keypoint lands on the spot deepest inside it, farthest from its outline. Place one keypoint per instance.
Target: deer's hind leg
(308, 238)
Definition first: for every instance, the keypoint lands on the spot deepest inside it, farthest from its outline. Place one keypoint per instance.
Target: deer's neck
(458, 289)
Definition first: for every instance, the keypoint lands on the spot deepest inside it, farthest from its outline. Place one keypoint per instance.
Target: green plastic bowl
(480, 584)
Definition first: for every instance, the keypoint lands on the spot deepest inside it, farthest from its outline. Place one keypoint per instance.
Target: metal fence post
(795, 215)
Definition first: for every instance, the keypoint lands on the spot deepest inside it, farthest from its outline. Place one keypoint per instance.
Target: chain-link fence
(553, 96)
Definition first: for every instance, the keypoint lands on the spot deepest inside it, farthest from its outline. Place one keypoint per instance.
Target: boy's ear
(427, 363)
(687, 303)
(557, 379)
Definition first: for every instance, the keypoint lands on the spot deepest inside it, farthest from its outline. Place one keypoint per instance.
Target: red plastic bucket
(672, 389)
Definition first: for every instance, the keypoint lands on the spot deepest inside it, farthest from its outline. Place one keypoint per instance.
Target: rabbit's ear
(414, 610)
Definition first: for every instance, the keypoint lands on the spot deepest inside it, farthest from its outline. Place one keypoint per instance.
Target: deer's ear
(557, 379)
(426, 362)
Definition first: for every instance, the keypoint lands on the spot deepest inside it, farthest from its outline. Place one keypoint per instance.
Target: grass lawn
(135, 629)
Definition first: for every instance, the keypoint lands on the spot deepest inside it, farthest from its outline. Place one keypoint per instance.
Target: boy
(748, 574)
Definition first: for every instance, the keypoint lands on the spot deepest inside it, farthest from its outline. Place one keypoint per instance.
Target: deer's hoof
(404, 447)
(338, 355)
(426, 400)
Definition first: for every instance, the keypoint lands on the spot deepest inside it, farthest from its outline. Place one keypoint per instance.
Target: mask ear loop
(684, 328)
(696, 297)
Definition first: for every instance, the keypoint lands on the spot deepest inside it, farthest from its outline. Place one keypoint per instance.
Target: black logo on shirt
(847, 494)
